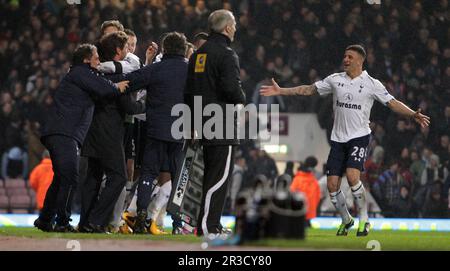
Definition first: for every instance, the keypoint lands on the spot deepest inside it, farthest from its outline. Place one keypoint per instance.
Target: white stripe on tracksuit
(214, 189)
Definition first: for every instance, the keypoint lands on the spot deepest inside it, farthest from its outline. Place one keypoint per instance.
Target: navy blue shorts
(351, 154)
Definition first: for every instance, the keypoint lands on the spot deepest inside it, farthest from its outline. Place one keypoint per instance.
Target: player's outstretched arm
(402, 109)
(275, 89)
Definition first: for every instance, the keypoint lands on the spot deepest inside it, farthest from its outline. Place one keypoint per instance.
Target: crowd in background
(295, 42)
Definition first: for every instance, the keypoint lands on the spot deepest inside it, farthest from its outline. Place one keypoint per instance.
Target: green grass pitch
(315, 239)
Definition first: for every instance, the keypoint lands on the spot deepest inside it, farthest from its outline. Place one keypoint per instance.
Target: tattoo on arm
(306, 90)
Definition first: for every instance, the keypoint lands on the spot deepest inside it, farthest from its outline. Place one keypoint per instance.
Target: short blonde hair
(114, 23)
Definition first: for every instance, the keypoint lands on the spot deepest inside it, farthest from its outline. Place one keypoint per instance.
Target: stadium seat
(17, 191)
(2, 191)
(20, 202)
(10, 183)
(4, 202)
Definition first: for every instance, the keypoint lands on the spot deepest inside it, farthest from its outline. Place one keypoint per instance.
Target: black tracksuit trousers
(97, 208)
(218, 162)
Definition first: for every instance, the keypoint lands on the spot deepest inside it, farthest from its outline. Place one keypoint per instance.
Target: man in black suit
(104, 146)
(65, 129)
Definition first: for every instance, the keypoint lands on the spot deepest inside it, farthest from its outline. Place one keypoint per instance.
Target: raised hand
(272, 90)
(421, 119)
(151, 52)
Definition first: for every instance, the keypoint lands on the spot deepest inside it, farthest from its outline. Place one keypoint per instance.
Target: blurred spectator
(236, 181)
(199, 39)
(248, 85)
(435, 206)
(35, 147)
(444, 122)
(252, 166)
(442, 149)
(446, 194)
(387, 189)
(266, 166)
(398, 139)
(305, 182)
(41, 177)
(405, 160)
(289, 170)
(431, 173)
(14, 164)
(403, 206)
(416, 169)
(267, 100)
(299, 57)
(373, 165)
(423, 138)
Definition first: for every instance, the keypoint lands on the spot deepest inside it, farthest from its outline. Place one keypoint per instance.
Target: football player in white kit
(354, 92)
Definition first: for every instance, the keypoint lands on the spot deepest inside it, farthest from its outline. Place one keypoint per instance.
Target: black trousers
(218, 162)
(64, 153)
(157, 153)
(96, 207)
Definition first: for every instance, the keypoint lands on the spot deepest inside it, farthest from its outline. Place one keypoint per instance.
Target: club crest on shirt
(348, 97)
(200, 63)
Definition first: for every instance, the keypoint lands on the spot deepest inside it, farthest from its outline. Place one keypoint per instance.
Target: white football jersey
(129, 64)
(352, 102)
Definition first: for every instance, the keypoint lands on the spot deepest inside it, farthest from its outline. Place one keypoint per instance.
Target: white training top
(352, 102)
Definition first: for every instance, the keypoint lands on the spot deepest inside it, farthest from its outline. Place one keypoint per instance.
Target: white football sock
(338, 200)
(161, 216)
(132, 209)
(155, 191)
(359, 195)
(160, 200)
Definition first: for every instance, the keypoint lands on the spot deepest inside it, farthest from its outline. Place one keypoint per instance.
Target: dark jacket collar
(219, 38)
(84, 65)
(168, 56)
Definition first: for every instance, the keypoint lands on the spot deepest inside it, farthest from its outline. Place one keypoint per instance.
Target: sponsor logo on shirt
(348, 105)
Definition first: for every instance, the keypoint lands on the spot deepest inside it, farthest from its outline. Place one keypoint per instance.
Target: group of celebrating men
(116, 111)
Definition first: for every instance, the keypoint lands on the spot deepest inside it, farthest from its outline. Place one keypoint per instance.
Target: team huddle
(115, 110)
